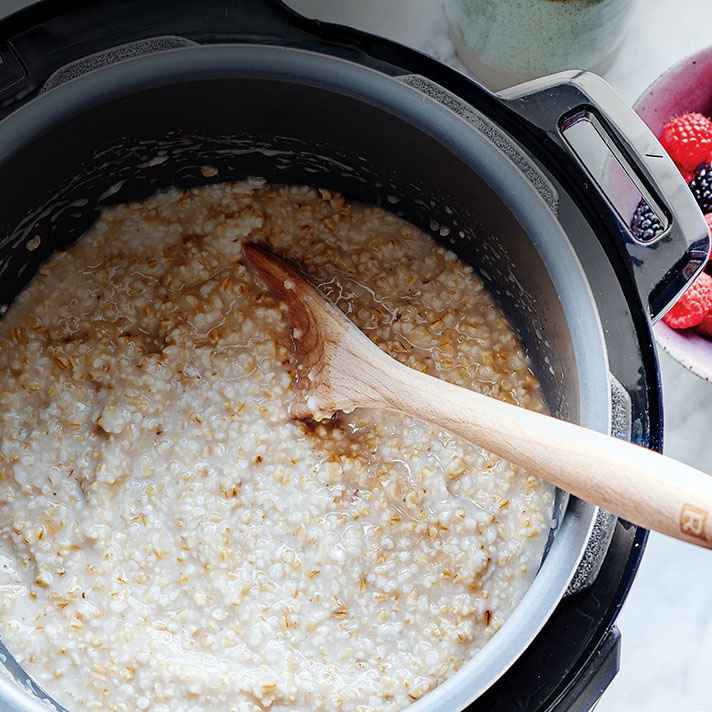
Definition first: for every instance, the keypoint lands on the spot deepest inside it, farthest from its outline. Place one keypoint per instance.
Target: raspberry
(704, 328)
(692, 307)
(688, 139)
(645, 224)
(687, 175)
(708, 220)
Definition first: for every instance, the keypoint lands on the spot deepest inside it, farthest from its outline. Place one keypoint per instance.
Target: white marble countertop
(666, 622)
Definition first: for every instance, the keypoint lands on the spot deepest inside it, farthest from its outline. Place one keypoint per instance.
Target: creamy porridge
(170, 540)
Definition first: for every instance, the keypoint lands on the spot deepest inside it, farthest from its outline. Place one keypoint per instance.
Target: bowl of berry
(677, 109)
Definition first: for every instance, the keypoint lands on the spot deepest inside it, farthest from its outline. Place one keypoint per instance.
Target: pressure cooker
(91, 91)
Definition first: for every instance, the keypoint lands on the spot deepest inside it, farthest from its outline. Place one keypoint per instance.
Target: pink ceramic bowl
(686, 86)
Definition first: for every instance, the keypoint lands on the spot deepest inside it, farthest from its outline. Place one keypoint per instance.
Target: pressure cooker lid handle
(664, 266)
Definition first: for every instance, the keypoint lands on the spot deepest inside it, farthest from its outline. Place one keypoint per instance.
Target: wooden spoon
(339, 368)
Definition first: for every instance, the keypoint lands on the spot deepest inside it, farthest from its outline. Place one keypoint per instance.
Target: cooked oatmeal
(171, 540)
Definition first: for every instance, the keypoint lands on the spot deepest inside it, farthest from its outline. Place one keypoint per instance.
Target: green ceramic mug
(503, 42)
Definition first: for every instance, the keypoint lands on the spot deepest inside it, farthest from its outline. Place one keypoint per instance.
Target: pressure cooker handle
(662, 267)
(53, 38)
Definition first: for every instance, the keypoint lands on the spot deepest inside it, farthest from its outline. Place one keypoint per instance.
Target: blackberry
(701, 187)
(645, 223)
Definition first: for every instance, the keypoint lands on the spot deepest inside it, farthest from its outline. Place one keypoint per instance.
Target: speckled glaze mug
(503, 42)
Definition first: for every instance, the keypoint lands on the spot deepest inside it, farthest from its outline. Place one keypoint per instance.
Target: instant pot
(106, 101)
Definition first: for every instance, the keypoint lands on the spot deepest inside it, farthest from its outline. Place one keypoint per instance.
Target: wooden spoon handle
(640, 485)
(341, 369)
